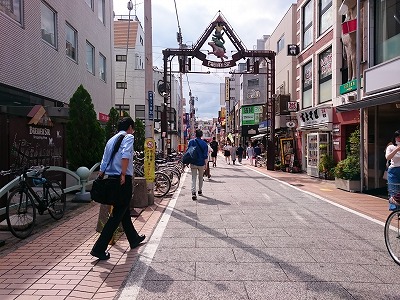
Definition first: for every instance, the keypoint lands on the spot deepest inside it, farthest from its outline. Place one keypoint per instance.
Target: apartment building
(130, 95)
(48, 49)
(379, 101)
(51, 47)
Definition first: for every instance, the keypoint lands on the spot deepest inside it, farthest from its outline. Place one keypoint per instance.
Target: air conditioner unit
(351, 98)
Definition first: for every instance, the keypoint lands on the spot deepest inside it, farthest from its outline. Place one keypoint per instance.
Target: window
(307, 24)
(90, 3)
(71, 41)
(121, 85)
(100, 10)
(253, 82)
(139, 111)
(158, 113)
(12, 8)
(325, 76)
(141, 40)
(280, 45)
(102, 66)
(387, 30)
(48, 18)
(89, 57)
(307, 85)
(325, 15)
(121, 108)
(120, 58)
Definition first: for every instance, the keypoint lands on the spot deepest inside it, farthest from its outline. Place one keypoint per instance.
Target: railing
(81, 183)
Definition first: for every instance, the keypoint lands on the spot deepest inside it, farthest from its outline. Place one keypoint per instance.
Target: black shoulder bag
(106, 190)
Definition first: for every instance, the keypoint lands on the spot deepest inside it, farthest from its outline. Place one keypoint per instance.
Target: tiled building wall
(29, 63)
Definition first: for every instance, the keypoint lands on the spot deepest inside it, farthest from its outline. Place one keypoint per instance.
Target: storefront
(315, 134)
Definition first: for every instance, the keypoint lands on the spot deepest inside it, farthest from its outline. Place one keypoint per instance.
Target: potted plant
(326, 166)
(347, 172)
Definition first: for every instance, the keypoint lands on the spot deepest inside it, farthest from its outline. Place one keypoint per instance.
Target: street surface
(249, 236)
(252, 237)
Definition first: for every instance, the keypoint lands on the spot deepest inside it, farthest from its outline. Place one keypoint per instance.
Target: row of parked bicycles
(168, 172)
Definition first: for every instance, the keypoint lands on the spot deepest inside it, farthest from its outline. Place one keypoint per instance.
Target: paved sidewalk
(57, 263)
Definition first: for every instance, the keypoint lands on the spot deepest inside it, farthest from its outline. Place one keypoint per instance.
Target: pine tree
(85, 137)
(139, 135)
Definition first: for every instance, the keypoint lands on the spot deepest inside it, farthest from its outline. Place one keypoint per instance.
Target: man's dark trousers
(120, 213)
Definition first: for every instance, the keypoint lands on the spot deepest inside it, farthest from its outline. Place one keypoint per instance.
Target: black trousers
(120, 214)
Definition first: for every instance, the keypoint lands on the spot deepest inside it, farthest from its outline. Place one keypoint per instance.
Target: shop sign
(292, 106)
(251, 115)
(314, 117)
(227, 88)
(348, 87)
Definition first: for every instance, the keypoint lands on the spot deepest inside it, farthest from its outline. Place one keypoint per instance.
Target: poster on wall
(287, 151)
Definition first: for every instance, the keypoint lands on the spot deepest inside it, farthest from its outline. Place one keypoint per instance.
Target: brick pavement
(57, 265)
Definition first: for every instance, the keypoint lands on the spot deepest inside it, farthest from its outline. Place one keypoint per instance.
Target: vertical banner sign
(227, 88)
(151, 105)
(149, 159)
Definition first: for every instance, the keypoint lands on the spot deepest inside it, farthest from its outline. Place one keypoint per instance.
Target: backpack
(191, 154)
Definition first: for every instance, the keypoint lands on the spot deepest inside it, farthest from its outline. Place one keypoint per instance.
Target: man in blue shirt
(198, 167)
(121, 167)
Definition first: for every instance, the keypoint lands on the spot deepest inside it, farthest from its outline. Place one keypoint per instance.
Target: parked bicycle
(41, 195)
(392, 225)
(162, 183)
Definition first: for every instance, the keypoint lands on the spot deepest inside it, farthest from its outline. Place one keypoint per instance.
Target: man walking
(121, 167)
(197, 167)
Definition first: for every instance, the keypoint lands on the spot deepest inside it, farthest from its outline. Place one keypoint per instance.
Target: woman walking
(393, 173)
(250, 153)
(227, 153)
(233, 153)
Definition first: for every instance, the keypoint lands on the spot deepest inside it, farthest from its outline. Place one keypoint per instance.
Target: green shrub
(349, 168)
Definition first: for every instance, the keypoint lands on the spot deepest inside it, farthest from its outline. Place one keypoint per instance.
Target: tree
(112, 124)
(85, 137)
(139, 135)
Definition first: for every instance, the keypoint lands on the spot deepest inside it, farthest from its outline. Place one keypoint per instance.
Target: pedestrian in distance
(214, 146)
(121, 167)
(207, 165)
(197, 168)
(250, 153)
(227, 153)
(393, 173)
(233, 153)
(239, 152)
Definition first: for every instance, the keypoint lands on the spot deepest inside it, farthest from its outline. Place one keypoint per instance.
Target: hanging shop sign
(316, 117)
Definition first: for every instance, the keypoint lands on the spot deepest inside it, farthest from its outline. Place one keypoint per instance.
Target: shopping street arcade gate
(255, 58)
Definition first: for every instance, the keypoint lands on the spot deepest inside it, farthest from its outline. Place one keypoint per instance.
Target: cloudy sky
(250, 19)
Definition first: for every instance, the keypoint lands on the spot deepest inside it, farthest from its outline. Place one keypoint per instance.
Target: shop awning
(381, 98)
(258, 137)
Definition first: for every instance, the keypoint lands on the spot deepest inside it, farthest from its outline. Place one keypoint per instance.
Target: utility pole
(149, 146)
(192, 115)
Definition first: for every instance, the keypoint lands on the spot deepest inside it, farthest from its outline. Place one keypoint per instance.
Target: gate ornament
(217, 43)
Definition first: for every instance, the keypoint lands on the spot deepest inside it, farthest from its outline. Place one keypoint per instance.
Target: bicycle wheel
(162, 184)
(392, 235)
(20, 213)
(57, 200)
(174, 178)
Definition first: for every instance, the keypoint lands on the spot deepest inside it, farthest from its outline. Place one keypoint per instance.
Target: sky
(250, 19)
